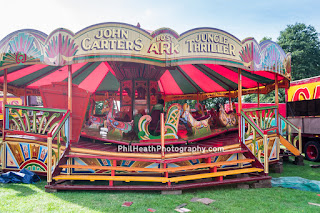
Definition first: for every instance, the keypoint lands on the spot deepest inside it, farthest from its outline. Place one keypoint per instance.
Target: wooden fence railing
(51, 124)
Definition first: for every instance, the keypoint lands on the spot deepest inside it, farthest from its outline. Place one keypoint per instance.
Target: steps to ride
(173, 172)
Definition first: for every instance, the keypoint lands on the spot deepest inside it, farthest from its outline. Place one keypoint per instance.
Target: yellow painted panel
(311, 87)
(11, 101)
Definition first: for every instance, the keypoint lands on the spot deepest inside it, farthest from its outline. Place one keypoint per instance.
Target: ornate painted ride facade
(119, 62)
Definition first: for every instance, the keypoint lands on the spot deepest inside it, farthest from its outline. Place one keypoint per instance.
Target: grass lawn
(33, 198)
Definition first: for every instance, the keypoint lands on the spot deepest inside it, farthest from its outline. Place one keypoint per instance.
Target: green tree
(265, 98)
(209, 103)
(303, 43)
(265, 39)
(215, 102)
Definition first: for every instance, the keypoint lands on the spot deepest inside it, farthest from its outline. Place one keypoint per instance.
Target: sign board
(306, 89)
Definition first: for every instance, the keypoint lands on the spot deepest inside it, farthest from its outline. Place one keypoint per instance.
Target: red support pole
(70, 97)
(239, 102)
(258, 95)
(277, 99)
(162, 135)
(214, 169)
(209, 161)
(220, 178)
(113, 172)
(166, 173)
(276, 88)
(4, 102)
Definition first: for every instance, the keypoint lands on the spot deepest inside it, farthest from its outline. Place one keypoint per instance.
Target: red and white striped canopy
(99, 77)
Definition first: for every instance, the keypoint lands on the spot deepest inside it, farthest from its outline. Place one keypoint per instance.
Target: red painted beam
(115, 158)
(16, 132)
(265, 131)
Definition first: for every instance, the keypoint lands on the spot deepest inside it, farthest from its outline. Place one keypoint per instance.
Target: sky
(242, 19)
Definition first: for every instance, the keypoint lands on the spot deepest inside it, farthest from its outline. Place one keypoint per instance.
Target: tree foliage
(214, 102)
(303, 43)
(265, 98)
(265, 39)
(209, 103)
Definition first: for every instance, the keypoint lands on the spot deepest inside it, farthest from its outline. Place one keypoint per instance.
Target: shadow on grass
(21, 189)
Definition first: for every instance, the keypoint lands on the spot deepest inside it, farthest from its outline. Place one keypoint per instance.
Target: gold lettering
(129, 45)
(214, 48)
(138, 44)
(112, 44)
(225, 50)
(125, 34)
(99, 35)
(221, 40)
(164, 47)
(208, 46)
(83, 44)
(169, 38)
(120, 45)
(210, 37)
(216, 38)
(232, 50)
(174, 48)
(198, 38)
(219, 48)
(116, 33)
(189, 45)
(107, 33)
(95, 45)
(203, 48)
(204, 37)
(104, 44)
(197, 48)
(154, 48)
